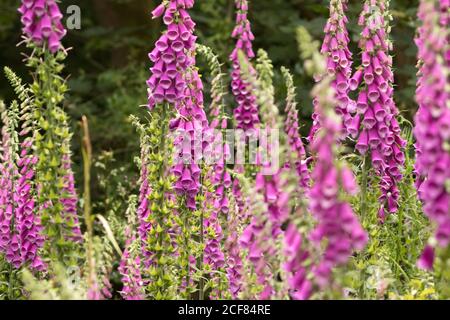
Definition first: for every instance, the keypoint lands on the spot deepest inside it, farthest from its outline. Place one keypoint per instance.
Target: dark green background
(108, 65)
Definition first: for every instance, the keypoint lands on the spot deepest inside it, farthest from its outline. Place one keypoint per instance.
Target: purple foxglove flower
(299, 286)
(41, 21)
(130, 271)
(432, 119)
(339, 61)
(336, 221)
(69, 200)
(246, 113)
(20, 226)
(379, 134)
(294, 140)
(143, 210)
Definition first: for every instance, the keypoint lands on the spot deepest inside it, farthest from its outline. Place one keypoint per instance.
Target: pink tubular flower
(294, 140)
(339, 64)
(175, 80)
(221, 180)
(129, 269)
(70, 199)
(41, 20)
(300, 287)
(234, 260)
(170, 56)
(265, 227)
(432, 128)
(246, 113)
(379, 131)
(20, 227)
(336, 221)
(143, 211)
(189, 127)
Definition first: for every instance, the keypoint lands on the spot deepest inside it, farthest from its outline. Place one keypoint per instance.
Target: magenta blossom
(379, 131)
(41, 20)
(432, 128)
(246, 113)
(339, 64)
(265, 228)
(20, 226)
(300, 286)
(70, 199)
(129, 268)
(170, 56)
(336, 221)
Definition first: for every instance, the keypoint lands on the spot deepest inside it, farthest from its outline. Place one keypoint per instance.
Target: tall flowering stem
(175, 81)
(43, 32)
(246, 112)
(432, 122)
(130, 263)
(296, 255)
(220, 179)
(269, 203)
(20, 227)
(291, 128)
(156, 206)
(339, 65)
(336, 222)
(379, 131)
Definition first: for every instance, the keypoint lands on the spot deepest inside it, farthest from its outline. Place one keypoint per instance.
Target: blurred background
(108, 65)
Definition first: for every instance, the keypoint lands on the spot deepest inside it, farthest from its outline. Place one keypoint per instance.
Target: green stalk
(200, 264)
(364, 181)
(87, 161)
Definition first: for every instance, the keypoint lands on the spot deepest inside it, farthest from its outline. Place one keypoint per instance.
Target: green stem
(11, 283)
(364, 182)
(201, 265)
(87, 160)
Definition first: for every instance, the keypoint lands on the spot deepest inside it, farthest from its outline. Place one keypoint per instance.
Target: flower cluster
(432, 129)
(20, 227)
(336, 220)
(246, 113)
(265, 227)
(143, 211)
(291, 128)
(233, 251)
(41, 21)
(339, 64)
(380, 132)
(191, 122)
(300, 286)
(130, 270)
(170, 57)
(70, 199)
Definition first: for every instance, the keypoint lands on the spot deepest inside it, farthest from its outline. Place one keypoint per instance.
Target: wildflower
(336, 221)
(432, 122)
(339, 65)
(20, 227)
(292, 130)
(379, 131)
(246, 113)
(41, 20)
(69, 199)
(129, 268)
(170, 56)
